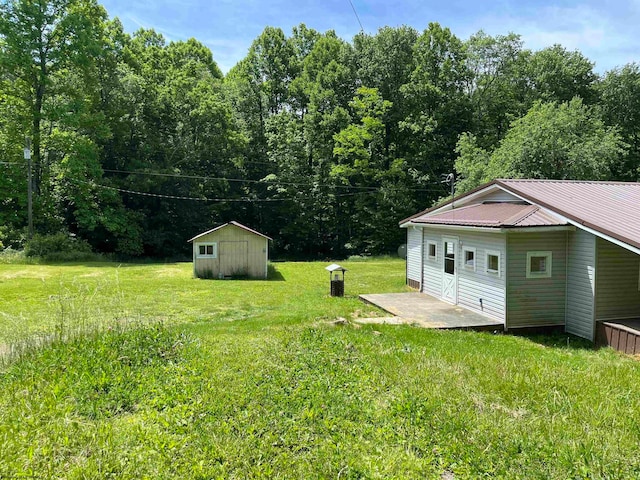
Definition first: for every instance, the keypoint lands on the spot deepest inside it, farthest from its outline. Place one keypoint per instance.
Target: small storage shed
(230, 250)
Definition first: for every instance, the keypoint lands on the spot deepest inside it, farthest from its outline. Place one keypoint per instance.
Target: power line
(179, 197)
(356, 14)
(262, 182)
(202, 199)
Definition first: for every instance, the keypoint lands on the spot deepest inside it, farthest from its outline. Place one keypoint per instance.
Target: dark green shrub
(58, 247)
(12, 238)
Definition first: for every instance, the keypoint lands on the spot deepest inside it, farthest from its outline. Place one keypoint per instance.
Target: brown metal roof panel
(612, 208)
(492, 215)
(538, 219)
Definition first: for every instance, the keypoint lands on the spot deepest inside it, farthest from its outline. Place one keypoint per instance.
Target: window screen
(538, 264)
(470, 258)
(493, 263)
(449, 258)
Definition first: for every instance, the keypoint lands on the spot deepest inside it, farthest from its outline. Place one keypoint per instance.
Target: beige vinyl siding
(534, 302)
(414, 253)
(617, 294)
(240, 252)
(479, 284)
(581, 283)
(432, 269)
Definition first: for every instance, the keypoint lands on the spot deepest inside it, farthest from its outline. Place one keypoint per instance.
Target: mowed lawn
(249, 379)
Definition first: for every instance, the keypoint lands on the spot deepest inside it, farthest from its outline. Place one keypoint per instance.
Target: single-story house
(230, 250)
(535, 253)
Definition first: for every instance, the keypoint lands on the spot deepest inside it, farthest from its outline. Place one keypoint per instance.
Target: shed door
(449, 270)
(234, 258)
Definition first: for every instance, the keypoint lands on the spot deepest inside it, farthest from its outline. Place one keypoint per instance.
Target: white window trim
(464, 258)
(435, 246)
(548, 264)
(486, 263)
(201, 244)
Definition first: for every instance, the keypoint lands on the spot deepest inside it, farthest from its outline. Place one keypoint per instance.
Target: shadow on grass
(556, 339)
(274, 274)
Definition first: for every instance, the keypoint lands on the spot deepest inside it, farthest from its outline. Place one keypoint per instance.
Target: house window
(207, 250)
(493, 263)
(539, 264)
(431, 250)
(469, 258)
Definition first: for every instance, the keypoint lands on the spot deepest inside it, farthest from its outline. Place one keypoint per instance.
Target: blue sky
(607, 32)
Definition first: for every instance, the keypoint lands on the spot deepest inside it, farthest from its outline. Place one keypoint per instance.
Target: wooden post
(27, 157)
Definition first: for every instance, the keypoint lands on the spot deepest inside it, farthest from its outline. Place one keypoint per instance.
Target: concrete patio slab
(429, 312)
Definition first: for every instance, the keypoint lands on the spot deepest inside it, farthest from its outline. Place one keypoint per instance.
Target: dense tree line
(139, 144)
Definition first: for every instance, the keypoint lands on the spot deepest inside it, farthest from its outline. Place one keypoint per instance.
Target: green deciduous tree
(556, 141)
(620, 104)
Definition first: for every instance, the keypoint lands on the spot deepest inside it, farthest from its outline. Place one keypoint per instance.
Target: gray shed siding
(617, 294)
(472, 285)
(581, 283)
(535, 302)
(414, 253)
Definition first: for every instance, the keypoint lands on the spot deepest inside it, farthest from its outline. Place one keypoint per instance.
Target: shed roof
(497, 215)
(239, 225)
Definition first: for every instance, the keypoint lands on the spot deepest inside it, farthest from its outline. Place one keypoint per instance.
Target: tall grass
(252, 379)
(75, 311)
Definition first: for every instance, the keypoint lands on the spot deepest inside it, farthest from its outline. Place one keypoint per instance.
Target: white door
(449, 270)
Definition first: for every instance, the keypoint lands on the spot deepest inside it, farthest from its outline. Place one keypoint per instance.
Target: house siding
(472, 285)
(581, 283)
(617, 294)
(535, 302)
(240, 252)
(479, 284)
(432, 269)
(497, 196)
(414, 254)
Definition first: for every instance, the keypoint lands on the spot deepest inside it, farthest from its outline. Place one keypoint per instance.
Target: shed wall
(414, 254)
(231, 257)
(581, 283)
(618, 272)
(535, 302)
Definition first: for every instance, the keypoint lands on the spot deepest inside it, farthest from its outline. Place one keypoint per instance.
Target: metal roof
(496, 215)
(239, 225)
(334, 267)
(611, 208)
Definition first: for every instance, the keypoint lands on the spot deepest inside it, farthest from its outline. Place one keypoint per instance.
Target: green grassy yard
(249, 380)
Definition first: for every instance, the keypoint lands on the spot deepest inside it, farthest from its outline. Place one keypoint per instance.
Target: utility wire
(356, 14)
(268, 182)
(203, 199)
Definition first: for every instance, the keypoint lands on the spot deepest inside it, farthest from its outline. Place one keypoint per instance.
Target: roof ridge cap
(520, 216)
